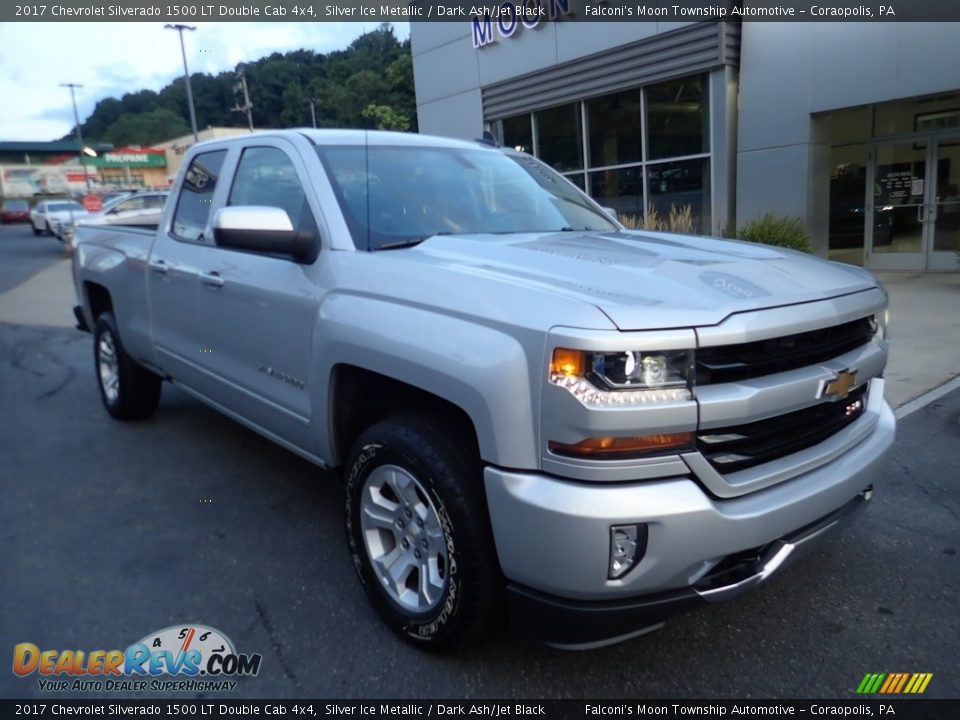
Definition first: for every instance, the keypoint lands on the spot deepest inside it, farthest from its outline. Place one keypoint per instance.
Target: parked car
(114, 195)
(142, 209)
(12, 211)
(530, 406)
(48, 215)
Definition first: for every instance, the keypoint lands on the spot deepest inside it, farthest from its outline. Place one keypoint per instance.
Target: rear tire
(34, 228)
(419, 532)
(128, 391)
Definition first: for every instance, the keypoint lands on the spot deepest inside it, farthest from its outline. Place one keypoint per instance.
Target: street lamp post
(180, 27)
(76, 120)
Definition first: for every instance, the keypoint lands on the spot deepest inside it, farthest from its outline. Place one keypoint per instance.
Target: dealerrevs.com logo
(199, 657)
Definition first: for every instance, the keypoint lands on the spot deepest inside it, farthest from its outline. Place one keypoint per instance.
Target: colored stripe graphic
(903, 680)
(870, 682)
(892, 680)
(894, 683)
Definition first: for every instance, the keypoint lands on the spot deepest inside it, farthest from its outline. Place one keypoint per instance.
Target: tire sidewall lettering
(370, 457)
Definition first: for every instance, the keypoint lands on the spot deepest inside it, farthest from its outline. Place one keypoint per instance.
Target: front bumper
(553, 536)
(581, 625)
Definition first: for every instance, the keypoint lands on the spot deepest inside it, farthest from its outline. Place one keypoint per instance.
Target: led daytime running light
(594, 398)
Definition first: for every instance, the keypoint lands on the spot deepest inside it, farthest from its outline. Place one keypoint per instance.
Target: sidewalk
(924, 323)
(924, 332)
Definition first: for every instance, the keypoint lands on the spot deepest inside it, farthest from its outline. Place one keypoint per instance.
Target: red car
(14, 211)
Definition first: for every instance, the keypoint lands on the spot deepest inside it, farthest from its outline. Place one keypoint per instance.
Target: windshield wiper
(410, 242)
(400, 244)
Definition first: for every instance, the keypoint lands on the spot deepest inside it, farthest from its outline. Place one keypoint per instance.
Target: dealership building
(853, 127)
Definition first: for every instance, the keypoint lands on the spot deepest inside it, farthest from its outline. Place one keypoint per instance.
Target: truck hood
(646, 280)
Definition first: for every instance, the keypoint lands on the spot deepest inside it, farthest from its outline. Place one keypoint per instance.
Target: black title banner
(528, 12)
(898, 709)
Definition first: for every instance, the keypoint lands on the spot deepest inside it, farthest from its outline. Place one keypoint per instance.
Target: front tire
(128, 391)
(419, 531)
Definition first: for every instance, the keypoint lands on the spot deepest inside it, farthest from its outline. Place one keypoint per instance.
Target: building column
(723, 149)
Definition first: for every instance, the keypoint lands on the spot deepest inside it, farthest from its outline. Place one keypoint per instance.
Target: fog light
(628, 543)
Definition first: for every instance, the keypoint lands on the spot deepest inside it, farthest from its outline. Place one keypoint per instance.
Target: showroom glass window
(677, 120)
(560, 137)
(641, 151)
(518, 133)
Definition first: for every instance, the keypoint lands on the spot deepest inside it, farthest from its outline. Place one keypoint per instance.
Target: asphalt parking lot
(22, 254)
(111, 531)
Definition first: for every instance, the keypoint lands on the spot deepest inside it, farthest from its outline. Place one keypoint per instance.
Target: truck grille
(739, 447)
(730, 363)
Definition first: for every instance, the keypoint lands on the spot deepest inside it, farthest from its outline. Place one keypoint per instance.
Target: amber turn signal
(568, 362)
(621, 448)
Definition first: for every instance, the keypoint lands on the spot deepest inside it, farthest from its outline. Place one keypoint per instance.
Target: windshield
(61, 207)
(394, 195)
(15, 205)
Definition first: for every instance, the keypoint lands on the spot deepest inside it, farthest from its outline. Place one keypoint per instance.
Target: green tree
(386, 117)
(146, 128)
(368, 84)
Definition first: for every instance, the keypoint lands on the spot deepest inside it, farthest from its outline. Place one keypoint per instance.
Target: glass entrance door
(896, 217)
(943, 209)
(913, 219)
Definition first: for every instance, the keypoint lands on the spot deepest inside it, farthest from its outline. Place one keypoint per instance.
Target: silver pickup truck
(532, 409)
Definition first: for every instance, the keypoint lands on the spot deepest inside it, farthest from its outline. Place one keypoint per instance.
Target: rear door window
(196, 196)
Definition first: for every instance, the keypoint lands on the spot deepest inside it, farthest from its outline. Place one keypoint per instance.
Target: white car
(141, 209)
(48, 215)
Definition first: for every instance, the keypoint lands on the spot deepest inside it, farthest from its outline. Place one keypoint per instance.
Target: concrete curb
(927, 398)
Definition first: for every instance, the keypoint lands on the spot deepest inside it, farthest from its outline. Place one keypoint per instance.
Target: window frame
(206, 237)
(235, 175)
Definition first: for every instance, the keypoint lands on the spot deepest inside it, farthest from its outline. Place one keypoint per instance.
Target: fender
(122, 271)
(482, 370)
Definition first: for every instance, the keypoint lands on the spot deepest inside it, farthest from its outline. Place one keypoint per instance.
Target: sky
(110, 59)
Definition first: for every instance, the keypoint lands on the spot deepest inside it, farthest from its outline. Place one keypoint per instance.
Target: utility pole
(76, 119)
(313, 113)
(247, 105)
(179, 27)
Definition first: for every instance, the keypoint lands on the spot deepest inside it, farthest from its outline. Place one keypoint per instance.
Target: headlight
(634, 369)
(624, 378)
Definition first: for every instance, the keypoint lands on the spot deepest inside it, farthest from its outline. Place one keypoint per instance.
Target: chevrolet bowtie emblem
(839, 387)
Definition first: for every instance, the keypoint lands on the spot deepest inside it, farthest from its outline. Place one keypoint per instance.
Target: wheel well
(99, 298)
(361, 398)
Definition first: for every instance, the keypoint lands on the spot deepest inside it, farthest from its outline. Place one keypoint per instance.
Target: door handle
(212, 279)
(158, 266)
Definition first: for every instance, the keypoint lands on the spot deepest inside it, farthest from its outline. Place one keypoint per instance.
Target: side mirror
(612, 213)
(262, 229)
